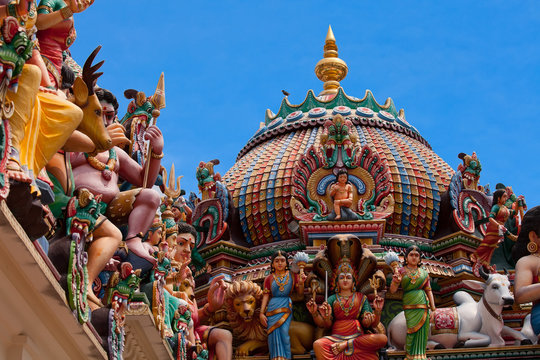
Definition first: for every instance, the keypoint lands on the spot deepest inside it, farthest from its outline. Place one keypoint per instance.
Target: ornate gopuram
(279, 196)
(338, 233)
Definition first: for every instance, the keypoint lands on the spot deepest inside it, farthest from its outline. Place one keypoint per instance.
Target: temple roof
(261, 179)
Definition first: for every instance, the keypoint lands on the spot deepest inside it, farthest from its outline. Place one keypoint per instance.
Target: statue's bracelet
(157, 156)
(66, 12)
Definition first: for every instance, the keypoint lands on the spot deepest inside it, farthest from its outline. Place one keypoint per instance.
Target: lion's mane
(242, 330)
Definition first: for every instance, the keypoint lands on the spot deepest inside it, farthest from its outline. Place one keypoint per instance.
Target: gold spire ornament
(158, 99)
(331, 69)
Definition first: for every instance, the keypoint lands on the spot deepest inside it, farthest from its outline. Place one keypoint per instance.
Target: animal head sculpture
(82, 212)
(206, 178)
(163, 268)
(85, 98)
(470, 170)
(120, 289)
(242, 301)
(496, 288)
(182, 317)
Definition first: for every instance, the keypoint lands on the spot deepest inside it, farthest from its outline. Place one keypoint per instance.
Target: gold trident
(171, 191)
(375, 283)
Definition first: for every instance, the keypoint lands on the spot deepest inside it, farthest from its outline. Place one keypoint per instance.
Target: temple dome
(261, 179)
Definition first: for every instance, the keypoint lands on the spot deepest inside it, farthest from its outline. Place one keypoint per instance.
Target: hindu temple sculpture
(142, 112)
(135, 207)
(109, 320)
(350, 180)
(16, 49)
(418, 302)
(295, 251)
(470, 170)
(526, 255)
(212, 210)
(470, 323)
(67, 250)
(243, 299)
(495, 231)
(355, 333)
(276, 306)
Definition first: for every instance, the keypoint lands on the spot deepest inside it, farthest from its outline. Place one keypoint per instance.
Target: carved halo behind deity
(321, 180)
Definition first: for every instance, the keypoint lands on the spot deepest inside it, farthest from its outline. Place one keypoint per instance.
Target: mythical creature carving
(109, 321)
(470, 170)
(315, 178)
(153, 287)
(468, 206)
(338, 143)
(211, 213)
(242, 302)
(16, 49)
(67, 252)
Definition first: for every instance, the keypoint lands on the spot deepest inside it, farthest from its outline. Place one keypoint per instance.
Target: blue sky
(467, 73)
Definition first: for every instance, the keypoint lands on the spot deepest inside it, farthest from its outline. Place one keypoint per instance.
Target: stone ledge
(143, 340)
(33, 304)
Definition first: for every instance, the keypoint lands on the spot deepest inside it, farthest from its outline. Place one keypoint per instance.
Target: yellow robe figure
(24, 100)
(42, 121)
(53, 120)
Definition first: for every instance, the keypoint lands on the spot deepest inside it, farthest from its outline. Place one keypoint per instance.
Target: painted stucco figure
(276, 307)
(342, 195)
(470, 170)
(495, 232)
(136, 208)
(337, 142)
(218, 341)
(349, 315)
(418, 302)
(526, 253)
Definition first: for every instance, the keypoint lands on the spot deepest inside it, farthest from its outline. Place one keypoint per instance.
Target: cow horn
(483, 274)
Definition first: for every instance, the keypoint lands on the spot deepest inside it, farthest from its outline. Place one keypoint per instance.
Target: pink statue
(100, 174)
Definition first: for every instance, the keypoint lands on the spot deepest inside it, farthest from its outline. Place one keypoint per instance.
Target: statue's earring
(532, 247)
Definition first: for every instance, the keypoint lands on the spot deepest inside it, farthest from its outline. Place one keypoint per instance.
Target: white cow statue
(479, 324)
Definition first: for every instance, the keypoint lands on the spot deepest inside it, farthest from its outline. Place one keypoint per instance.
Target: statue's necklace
(106, 169)
(342, 303)
(414, 275)
(281, 281)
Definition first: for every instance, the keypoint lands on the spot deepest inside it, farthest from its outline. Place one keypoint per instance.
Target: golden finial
(158, 99)
(331, 69)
